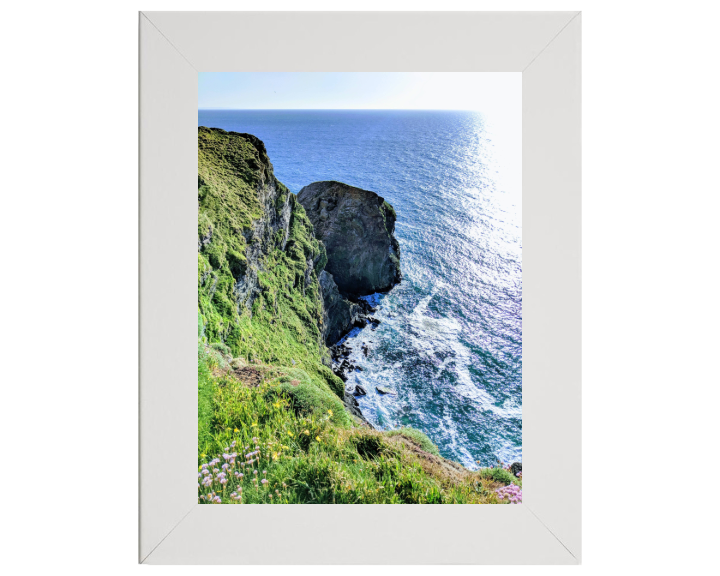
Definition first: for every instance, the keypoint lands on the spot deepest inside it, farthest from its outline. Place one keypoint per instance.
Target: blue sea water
(450, 338)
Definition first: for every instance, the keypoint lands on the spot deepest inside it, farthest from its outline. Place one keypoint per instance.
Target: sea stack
(358, 229)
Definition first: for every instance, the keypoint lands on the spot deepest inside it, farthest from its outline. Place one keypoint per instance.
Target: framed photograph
(372, 295)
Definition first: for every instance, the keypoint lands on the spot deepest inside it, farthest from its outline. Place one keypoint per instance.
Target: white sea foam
(440, 338)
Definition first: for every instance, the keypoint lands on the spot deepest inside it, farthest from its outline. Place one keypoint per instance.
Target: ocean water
(450, 338)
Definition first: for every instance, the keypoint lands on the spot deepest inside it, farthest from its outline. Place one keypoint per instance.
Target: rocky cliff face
(357, 228)
(258, 260)
(339, 314)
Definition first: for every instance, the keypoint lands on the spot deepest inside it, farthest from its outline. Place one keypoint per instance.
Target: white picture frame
(545, 47)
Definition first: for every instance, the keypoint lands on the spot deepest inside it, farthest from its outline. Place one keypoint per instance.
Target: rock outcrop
(339, 314)
(357, 227)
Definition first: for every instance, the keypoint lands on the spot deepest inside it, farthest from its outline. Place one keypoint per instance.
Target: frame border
(545, 47)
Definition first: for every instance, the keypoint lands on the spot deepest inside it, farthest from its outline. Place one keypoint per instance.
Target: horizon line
(349, 109)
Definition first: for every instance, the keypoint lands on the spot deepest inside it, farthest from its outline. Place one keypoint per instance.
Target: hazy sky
(344, 90)
(496, 95)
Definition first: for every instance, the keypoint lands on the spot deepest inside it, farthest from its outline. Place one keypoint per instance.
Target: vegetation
(500, 475)
(298, 438)
(417, 436)
(271, 424)
(282, 324)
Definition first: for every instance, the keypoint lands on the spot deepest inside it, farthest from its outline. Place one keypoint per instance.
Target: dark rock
(339, 314)
(384, 390)
(359, 390)
(352, 406)
(515, 468)
(363, 306)
(358, 229)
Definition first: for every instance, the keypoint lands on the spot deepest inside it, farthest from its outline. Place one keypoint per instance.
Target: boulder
(358, 229)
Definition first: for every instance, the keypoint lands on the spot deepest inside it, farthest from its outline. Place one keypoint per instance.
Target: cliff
(267, 398)
(258, 260)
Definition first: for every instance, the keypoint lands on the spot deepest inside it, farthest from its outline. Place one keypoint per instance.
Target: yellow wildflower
(330, 412)
(318, 438)
(202, 455)
(307, 432)
(254, 425)
(290, 434)
(236, 430)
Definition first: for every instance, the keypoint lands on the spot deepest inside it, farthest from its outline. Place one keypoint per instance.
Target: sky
(357, 90)
(496, 95)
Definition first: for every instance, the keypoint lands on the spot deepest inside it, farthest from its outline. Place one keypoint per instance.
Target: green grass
(419, 437)
(306, 398)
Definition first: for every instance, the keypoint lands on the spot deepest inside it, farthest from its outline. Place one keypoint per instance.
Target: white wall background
(69, 206)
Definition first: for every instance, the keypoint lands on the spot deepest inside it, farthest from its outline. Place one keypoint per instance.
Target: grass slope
(300, 440)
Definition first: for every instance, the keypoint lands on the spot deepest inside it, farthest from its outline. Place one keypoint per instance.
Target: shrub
(417, 436)
(498, 475)
(368, 445)
(334, 383)
(220, 347)
(307, 398)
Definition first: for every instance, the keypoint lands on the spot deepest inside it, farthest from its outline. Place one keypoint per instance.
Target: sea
(449, 343)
